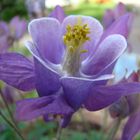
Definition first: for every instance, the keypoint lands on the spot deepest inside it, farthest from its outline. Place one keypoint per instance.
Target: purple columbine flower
(17, 27)
(73, 59)
(4, 32)
(36, 8)
(11, 32)
(128, 106)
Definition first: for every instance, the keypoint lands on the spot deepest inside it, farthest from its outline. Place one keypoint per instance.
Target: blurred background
(85, 125)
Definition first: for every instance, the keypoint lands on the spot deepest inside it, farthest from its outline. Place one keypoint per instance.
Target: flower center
(76, 36)
(74, 39)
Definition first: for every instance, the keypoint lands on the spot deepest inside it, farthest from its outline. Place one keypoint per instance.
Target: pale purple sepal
(47, 78)
(102, 96)
(121, 26)
(49, 105)
(79, 88)
(47, 82)
(108, 18)
(58, 13)
(17, 71)
(113, 14)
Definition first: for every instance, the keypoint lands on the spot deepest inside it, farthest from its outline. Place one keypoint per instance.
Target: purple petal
(33, 107)
(108, 70)
(107, 53)
(119, 10)
(20, 29)
(58, 13)
(46, 37)
(108, 18)
(17, 71)
(14, 21)
(121, 26)
(94, 25)
(17, 27)
(102, 96)
(47, 79)
(3, 44)
(132, 127)
(76, 90)
(36, 107)
(13, 25)
(4, 29)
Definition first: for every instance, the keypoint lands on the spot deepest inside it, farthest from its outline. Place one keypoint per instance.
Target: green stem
(9, 111)
(85, 123)
(114, 129)
(59, 132)
(8, 108)
(105, 124)
(11, 124)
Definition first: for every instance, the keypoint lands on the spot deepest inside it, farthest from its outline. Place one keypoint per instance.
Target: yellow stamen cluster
(74, 39)
(76, 36)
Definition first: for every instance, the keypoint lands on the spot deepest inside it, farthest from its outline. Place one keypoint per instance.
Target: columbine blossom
(11, 32)
(73, 59)
(4, 31)
(128, 106)
(35, 8)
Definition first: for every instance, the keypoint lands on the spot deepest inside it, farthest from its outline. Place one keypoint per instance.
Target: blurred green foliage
(7, 134)
(91, 9)
(80, 135)
(137, 137)
(10, 8)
